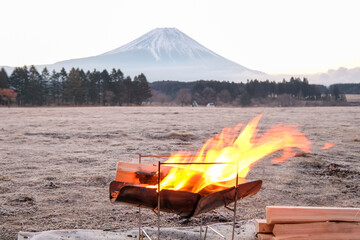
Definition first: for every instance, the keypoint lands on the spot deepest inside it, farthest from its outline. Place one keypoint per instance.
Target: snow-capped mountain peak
(165, 42)
(164, 54)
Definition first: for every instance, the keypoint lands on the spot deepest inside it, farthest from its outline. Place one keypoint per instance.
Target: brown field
(56, 163)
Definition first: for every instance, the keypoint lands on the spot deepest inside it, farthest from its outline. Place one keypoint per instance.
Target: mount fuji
(165, 54)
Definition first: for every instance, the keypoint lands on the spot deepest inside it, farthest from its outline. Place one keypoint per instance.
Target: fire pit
(190, 185)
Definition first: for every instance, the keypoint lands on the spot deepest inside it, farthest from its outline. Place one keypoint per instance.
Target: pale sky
(273, 36)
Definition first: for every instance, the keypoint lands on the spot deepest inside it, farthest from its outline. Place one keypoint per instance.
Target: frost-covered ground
(56, 163)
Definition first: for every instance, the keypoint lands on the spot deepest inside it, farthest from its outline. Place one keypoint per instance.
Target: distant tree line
(230, 93)
(347, 88)
(28, 87)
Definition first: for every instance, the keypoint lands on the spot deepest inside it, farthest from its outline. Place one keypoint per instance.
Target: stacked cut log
(309, 223)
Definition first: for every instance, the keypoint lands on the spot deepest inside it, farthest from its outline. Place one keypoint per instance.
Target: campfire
(189, 185)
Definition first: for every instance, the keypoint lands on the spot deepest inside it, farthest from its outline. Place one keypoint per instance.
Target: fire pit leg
(201, 224)
(235, 202)
(205, 232)
(140, 232)
(139, 223)
(158, 207)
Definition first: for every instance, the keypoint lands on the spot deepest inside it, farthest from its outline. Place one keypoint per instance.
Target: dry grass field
(57, 163)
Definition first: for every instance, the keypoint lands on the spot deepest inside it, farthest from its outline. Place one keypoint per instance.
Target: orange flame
(328, 145)
(240, 153)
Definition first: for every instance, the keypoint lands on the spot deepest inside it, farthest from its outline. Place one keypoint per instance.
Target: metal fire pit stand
(142, 231)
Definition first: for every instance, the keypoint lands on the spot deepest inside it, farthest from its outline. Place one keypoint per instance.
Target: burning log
(186, 204)
(139, 173)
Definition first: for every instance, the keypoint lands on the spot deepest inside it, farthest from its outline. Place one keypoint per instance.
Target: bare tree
(183, 97)
(209, 94)
(159, 97)
(223, 96)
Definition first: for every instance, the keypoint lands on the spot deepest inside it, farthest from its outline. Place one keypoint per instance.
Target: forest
(28, 87)
(296, 91)
(348, 88)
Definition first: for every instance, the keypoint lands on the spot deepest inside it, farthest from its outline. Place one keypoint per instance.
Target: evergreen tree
(88, 85)
(128, 90)
(336, 92)
(94, 87)
(45, 86)
(245, 98)
(117, 78)
(104, 87)
(74, 91)
(19, 80)
(35, 87)
(84, 97)
(136, 91)
(63, 75)
(55, 89)
(116, 75)
(142, 90)
(4, 80)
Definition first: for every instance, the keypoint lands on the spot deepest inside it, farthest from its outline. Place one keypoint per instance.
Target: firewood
(262, 227)
(317, 227)
(320, 236)
(281, 214)
(139, 173)
(263, 236)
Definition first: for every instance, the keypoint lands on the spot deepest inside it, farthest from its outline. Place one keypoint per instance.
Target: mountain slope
(165, 54)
